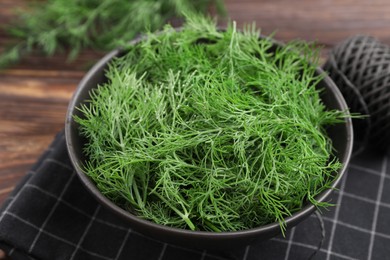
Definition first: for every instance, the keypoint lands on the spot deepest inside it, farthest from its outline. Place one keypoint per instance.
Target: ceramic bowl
(341, 135)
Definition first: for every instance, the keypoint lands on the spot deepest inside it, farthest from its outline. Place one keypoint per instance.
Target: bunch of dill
(210, 130)
(54, 25)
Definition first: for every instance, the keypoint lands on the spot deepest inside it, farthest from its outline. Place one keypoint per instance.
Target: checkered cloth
(51, 216)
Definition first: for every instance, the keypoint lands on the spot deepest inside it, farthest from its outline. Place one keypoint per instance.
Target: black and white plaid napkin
(50, 216)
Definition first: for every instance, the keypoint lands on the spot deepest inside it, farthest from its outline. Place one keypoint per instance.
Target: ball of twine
(360, 67)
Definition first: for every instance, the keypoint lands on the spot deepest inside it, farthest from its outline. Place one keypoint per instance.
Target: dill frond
(210, 130)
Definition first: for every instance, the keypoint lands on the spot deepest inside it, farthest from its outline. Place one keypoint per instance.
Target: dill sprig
(56, 25)
(210, 130)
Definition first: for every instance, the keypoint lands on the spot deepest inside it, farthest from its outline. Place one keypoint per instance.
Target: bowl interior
(341, 134)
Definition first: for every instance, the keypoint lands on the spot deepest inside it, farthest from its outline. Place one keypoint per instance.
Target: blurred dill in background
(61, 25)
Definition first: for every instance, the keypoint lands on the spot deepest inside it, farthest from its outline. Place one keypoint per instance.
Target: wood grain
(34, 94)
(325, 21)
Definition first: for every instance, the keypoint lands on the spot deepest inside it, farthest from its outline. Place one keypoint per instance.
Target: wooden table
(34, 94)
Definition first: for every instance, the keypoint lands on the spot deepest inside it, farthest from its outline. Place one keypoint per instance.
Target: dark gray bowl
(341, 134)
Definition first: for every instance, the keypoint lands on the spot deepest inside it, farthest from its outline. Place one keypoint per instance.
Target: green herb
(55, 25)
(210, 130)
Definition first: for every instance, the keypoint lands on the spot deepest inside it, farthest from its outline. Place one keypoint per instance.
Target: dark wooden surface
(34, 94)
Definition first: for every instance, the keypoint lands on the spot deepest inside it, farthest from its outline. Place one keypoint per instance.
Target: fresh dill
(56, 25)
(211, 130)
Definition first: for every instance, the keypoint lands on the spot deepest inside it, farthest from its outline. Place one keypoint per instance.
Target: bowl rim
(290, 220)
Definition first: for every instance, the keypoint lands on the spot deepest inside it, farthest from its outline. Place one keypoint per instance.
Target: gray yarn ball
(360, 67)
